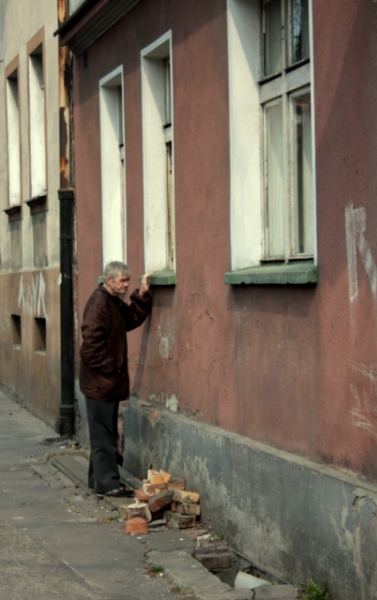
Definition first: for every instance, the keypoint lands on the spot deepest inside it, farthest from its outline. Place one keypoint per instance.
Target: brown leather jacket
(104, 366)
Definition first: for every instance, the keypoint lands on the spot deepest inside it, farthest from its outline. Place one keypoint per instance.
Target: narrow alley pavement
(53, 543)
(57, 541)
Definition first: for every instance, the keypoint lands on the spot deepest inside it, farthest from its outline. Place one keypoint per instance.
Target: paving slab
(276, 592)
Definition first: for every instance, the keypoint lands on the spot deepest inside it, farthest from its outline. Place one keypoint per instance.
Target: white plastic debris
(245, 581)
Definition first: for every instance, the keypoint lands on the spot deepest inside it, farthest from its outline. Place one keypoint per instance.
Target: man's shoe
(120, 492)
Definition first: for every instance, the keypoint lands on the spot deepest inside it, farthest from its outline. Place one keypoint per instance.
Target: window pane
(272, 37)
(303, 174)
(299, 16)
(274, 180)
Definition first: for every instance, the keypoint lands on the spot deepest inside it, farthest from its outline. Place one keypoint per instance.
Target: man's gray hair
(113, 268)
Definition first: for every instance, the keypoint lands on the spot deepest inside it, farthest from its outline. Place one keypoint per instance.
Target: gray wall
(292, 517)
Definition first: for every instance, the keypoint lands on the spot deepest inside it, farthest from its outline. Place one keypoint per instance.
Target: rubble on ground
(163, 499)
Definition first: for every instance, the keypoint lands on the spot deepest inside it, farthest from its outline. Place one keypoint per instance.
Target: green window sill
(300, 273)
(156, 278)
(162, 278)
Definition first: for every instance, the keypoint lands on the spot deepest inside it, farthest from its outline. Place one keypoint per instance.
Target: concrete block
(136, 526)
(216, 561)
(186, 496)
(184, 508)
(276, 592)
(213, 547)
(178, 521)
(160, 501)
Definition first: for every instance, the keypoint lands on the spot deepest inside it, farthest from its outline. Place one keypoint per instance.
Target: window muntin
(301, 161)
(287, 131)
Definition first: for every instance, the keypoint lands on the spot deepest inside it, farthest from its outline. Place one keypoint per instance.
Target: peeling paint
(172, 403)
(32, 297)
(364, 411)
(166, 344)
(355, 234)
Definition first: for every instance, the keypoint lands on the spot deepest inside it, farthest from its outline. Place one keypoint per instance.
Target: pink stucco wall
(292, 366)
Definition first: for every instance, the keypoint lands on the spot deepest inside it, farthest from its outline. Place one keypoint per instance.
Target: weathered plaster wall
(32, 376)
(291, 366)
(289, 516)
(25, 245)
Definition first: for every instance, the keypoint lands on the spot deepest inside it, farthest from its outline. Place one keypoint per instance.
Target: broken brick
(178, 521)
(165, 476)
(141, 496)
(138, 509)
(161, 500)
(152, 490)
(154, 477)
(176, 483)
(186, 496)
(184, 508)
(135, 526)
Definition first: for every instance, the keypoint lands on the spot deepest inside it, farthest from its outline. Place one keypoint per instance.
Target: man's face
(119, 285)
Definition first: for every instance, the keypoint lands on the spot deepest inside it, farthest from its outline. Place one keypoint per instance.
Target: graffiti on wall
(31, 297)
(356, 241)
(364, 412)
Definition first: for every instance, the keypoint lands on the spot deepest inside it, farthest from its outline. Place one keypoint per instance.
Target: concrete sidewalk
(57, 541)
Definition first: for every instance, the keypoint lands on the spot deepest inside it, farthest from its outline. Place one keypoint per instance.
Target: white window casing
(13, 131)
(158, 154)
(112, 139)
(245, 138)
(38, 176)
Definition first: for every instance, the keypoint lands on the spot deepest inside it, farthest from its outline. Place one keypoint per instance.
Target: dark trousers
(103, 433)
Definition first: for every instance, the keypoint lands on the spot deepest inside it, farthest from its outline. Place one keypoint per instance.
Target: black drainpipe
(67, 400)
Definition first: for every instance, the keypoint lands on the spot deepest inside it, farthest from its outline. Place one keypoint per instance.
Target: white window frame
(159, 220)
(113, 171)
(246, 134)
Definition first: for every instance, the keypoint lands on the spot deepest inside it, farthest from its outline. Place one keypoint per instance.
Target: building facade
(228, 148)
(29, 223)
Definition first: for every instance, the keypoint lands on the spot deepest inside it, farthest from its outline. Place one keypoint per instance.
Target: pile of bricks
(163, 498)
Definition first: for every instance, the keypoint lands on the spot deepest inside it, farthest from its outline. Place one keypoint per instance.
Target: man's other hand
(144, 287)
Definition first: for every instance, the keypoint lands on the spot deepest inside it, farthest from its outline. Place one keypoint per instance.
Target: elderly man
(104, 375)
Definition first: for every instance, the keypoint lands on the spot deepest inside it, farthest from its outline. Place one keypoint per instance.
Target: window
(16, 331)
(158, 157)
(13, 131)
(38, 180)
(287, 124)
(40, 335)
(113, 167)
(271, 138)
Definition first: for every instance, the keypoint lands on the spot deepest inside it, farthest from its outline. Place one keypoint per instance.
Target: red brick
(186, 496)
(161, 500)
(141, 496)
(152, 490)
(176, 483)
(136, 526)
